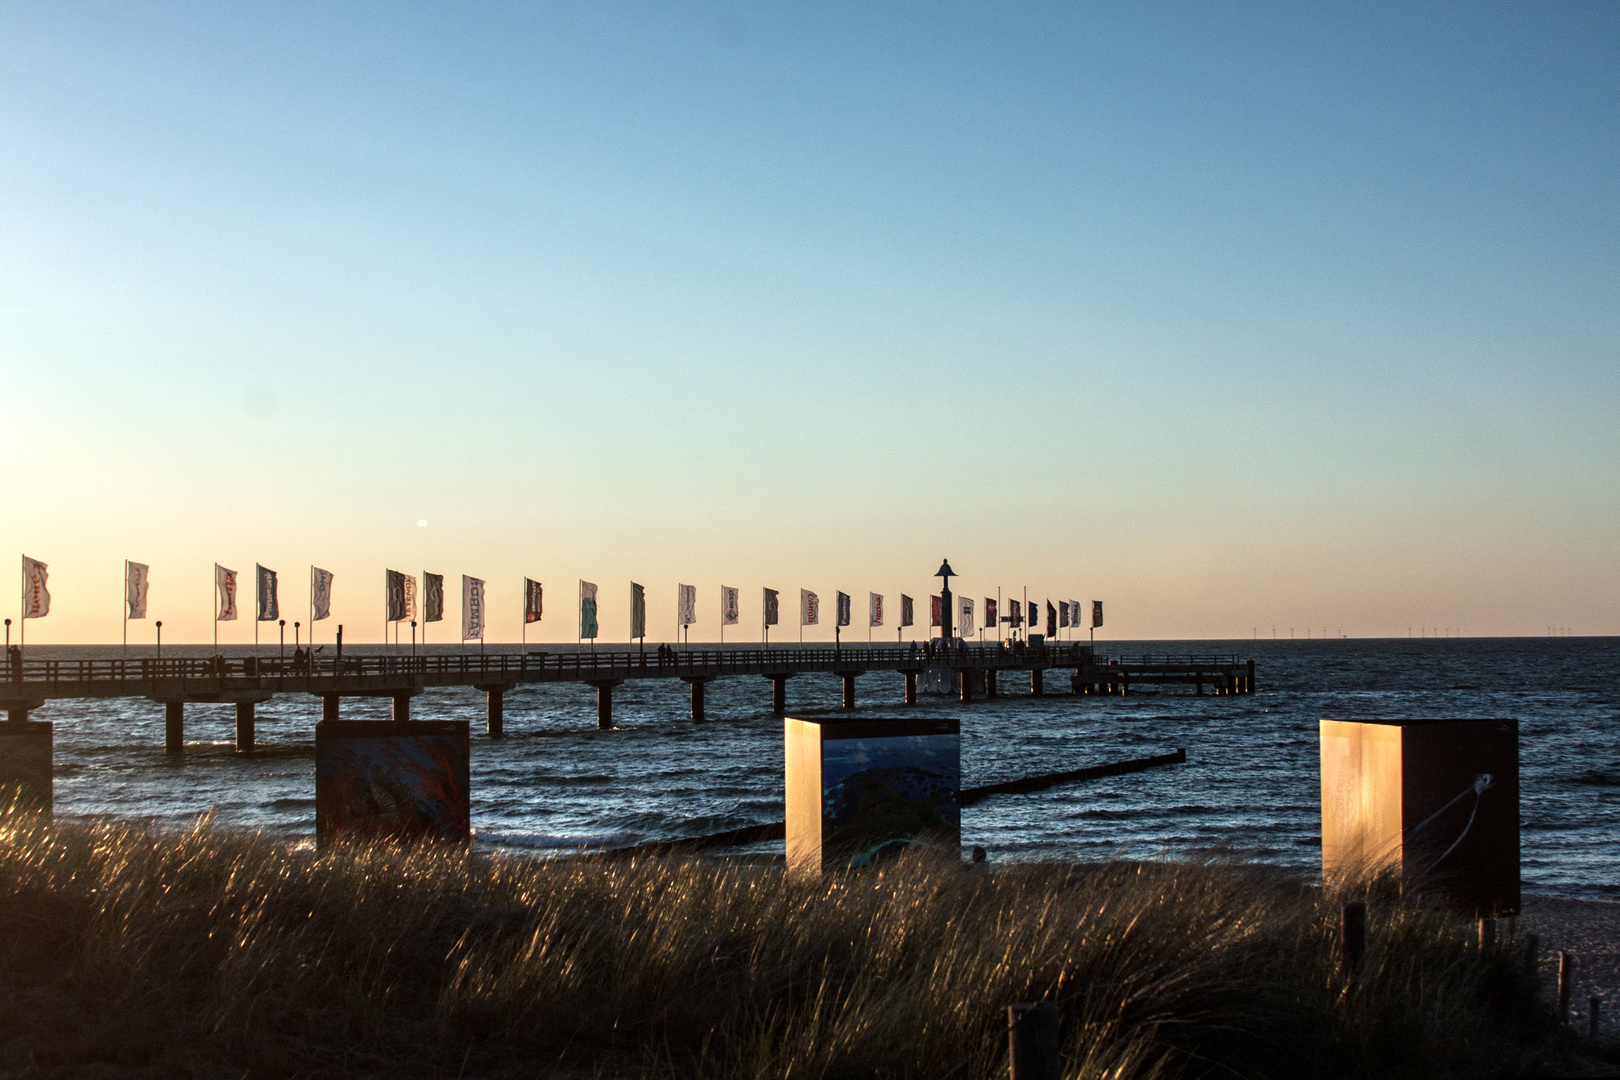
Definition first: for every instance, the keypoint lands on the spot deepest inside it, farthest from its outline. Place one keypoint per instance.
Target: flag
(875, 606)
(1016, 612)
(809, 608)
(269, 606)
(432, 597)
(964, 617)
(36, 597)
(772, 608)
(638, 611)
(936, 605)
(1051, 620)
(587, 609)
(686, 604)
(320, 594)
(905, 610)
(533, 596)
(225, 586)
(1074, 613)
(135, 589)
(1096, 613)
(989, 613)
(472, 608)
(1063, 613)
(1034, 614)
(394, 595)
(728, 606)
(843, 609)
(410, 596)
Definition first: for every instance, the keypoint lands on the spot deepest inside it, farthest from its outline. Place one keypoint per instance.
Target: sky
(1241, 318)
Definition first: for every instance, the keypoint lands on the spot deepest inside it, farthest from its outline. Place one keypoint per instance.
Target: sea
(1250, 787)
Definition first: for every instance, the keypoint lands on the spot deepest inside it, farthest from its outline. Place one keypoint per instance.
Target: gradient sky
(1235, 317)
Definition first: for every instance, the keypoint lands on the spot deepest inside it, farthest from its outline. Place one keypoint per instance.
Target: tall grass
(212, 953)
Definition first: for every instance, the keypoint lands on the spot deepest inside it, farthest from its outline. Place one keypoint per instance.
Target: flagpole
(216, 609)
(126, 610)
(22, 606)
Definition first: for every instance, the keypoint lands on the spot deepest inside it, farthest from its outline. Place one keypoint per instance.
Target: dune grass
(129, 951)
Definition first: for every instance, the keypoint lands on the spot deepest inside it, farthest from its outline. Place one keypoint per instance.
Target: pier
(968, 671)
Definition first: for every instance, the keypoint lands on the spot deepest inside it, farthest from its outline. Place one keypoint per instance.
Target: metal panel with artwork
(860, 791)
(392, 780)
(25, 766)
(1434, 802)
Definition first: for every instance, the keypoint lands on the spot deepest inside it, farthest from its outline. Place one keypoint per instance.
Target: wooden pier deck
(245, 681)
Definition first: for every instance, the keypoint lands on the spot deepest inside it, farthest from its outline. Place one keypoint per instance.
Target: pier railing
(545, 666)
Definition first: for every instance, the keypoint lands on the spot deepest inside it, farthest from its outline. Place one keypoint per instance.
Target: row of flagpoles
(400, 596)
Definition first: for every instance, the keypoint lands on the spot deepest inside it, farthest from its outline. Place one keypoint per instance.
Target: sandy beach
(1591, 930)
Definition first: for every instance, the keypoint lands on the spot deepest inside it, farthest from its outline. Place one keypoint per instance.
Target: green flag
(587, 610)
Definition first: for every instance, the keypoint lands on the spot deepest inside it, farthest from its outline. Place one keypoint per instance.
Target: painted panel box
(26, 766)
(1435, 802)
(392, 780)
(859, 791)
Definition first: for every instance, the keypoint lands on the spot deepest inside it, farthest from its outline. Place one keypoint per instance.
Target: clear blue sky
(1234, 316)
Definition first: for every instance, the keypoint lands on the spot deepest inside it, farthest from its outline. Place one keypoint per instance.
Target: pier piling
(495, 710)
(778, 694)
(965, 681)
(174, 727)
(1037, 682)
(989, 682)
(244, 727)
(849, 688)
(697, 699)
(911, 688)
(402, 707)
(329, 706)
(604, 705)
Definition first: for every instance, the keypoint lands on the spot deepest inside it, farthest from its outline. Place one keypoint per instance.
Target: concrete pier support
(17, 716)
(911, 687)
(989, 682)
(697, 699)
(1037, 682)
(402, 707)
(174, 727)
(1248, 680)
(964, 680)
(329, 706)
(849, 688)
(779, 694)
(244, 727)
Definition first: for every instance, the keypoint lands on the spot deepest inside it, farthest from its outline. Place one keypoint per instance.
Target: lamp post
(281, 646)
(160, 638)
(946, 624)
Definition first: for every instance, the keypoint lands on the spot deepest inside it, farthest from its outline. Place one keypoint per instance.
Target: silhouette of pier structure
(968, 671)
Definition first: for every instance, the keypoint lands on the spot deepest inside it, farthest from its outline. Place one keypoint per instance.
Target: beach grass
(127, 950)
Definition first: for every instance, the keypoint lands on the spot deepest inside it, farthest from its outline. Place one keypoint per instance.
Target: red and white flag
(225, 586)
(36, 599)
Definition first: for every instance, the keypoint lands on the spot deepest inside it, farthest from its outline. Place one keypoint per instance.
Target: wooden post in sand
(1566, 981)
(1352, 939)
(1032, 1041)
